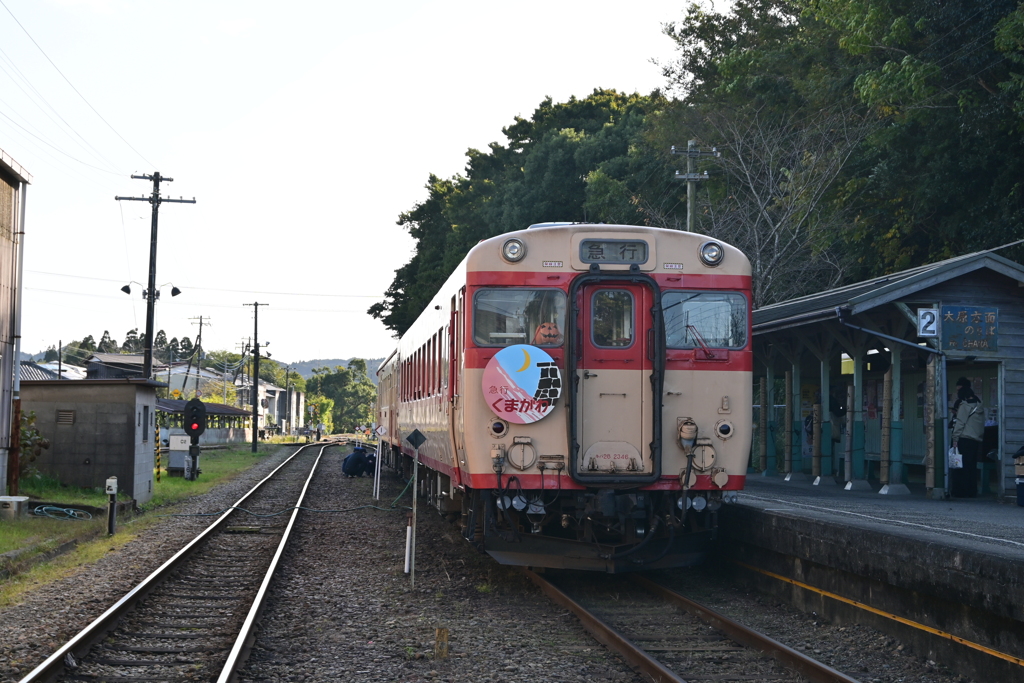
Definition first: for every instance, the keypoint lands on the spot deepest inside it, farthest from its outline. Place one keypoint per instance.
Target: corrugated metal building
(14, 181)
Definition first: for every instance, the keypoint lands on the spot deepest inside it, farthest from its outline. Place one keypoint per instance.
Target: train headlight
(711, 253)
(513, 250)
(699, 503)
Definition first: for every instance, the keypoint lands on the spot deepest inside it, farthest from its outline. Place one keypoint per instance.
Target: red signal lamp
(195, 418)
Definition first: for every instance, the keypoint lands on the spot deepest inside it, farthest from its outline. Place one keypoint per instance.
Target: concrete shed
(97, 428)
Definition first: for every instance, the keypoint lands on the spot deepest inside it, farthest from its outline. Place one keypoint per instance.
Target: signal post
(195, 425)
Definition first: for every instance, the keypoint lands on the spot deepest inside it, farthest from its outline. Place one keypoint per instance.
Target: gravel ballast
(342, 607)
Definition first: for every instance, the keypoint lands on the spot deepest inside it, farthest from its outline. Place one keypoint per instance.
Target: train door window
(502, 317)
(435, 365)
(714, 319)
(437, 362)
(612, 324)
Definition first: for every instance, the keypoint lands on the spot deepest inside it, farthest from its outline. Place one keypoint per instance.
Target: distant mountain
(305, 368)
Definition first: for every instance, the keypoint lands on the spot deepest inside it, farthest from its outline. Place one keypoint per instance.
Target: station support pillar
(859, 481)
(826, 420)
(772, 468)
(796, 442)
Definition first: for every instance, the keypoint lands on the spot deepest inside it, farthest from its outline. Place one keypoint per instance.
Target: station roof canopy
(869, 294)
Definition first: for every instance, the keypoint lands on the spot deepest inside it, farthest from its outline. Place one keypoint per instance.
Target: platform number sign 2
(927, 322)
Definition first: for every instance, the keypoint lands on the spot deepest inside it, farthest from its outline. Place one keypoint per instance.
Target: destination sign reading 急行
(613, 251)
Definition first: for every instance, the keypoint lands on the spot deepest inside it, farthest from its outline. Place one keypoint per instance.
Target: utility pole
(288, 397)
(255, 372)
(151, 294)
(243, 347)
(199, 351)
(691, 177)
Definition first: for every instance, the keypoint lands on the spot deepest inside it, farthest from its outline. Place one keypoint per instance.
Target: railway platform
(944, 576)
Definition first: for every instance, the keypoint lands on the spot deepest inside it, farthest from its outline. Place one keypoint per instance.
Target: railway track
(193, 618)
(671, 639)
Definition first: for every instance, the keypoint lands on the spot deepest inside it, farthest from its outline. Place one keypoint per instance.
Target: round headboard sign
(521, 384)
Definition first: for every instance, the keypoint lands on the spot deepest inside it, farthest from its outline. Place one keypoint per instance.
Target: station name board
(970, 328)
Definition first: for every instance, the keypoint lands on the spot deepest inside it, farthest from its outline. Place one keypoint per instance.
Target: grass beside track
(38, 535)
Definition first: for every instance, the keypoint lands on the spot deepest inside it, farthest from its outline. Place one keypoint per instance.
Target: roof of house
(123, 359)
(863, 296)
(66, 370)
(31, 371)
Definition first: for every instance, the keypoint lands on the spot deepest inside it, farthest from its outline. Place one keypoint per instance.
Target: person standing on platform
(968, 432)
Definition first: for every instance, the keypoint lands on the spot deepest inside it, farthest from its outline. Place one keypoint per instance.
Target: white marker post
(381, 431)
(416, 439)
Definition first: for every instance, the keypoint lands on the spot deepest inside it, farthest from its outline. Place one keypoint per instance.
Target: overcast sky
(302, 130)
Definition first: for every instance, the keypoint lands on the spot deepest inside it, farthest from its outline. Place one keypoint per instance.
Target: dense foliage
(582, 160)
(342, 398)
(77, 352)
(858, 137)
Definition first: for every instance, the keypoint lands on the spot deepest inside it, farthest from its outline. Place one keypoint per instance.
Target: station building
(861, 379)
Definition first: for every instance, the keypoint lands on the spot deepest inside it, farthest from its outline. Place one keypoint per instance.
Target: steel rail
(80, 644)
(247, 636)
(812, 669)
(608, 636)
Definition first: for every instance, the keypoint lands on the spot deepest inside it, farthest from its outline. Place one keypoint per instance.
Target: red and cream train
(585, 391)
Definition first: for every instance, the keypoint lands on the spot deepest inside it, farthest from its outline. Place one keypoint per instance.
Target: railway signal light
(195, 418)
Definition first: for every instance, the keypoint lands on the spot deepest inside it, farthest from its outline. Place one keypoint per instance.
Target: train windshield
(713, 319)
(502, 317)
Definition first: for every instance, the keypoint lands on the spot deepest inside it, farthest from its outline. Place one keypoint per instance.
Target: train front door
(614, 422)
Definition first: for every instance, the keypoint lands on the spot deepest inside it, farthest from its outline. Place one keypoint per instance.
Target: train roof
(672, 251)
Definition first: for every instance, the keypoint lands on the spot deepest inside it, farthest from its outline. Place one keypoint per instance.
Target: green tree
(133, 342)
(574, 161)
(160, 347)
(32, 444)
(944, 176)
(107, 344)
(350, 391)
(173, 350)
(320, 409)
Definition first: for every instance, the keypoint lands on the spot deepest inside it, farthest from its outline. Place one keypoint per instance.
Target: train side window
(507, 316)
(715, 319)
(612, 318)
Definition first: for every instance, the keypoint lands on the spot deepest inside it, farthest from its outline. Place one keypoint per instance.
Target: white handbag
(956, 461)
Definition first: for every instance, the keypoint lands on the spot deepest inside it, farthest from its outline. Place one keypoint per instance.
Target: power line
(72, 85)
(38, 95)
(217, 289)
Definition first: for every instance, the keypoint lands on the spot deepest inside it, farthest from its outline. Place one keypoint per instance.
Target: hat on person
(963, 382)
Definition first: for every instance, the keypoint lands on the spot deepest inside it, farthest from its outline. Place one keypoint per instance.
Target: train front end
(604, 413)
